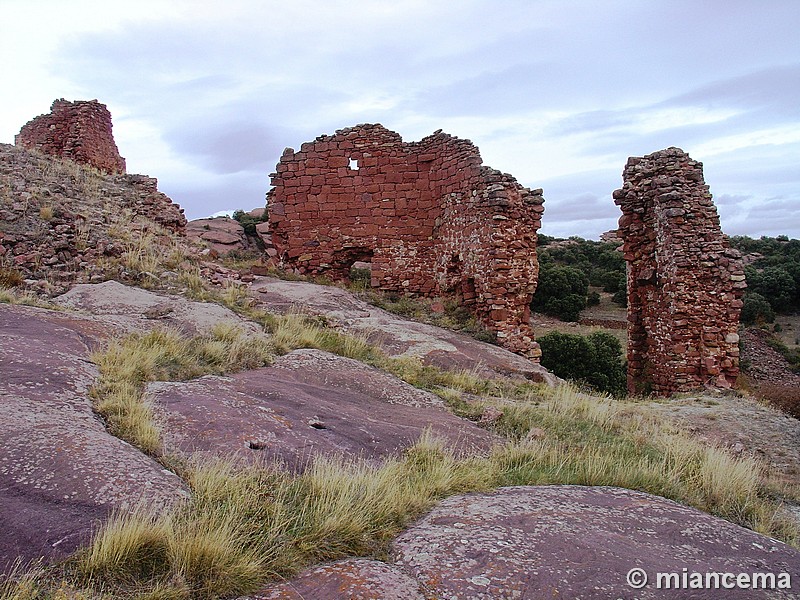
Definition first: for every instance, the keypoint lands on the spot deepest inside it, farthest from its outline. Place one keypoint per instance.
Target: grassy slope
(245, 526)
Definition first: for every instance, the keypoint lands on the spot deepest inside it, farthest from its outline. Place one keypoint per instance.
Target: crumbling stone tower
(427, 215)
(80, 131)
(684, 281)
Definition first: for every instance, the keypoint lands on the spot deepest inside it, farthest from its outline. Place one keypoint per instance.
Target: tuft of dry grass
(127, 364)
(10, 277)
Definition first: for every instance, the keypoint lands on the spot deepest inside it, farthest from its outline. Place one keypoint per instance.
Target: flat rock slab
(222, 234)
(742, 425)
(346, 579)
(580, 543)
(127, 309)
(60, 470)
(395, 335)
(307, 403)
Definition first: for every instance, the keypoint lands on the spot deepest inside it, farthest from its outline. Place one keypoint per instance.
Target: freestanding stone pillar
(685, 282)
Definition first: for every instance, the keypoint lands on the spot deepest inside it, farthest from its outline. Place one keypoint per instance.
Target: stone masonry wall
(427, 215)
(80, 131)
(684, 281)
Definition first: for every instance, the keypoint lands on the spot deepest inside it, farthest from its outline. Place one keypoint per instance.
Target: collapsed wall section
(684, 281)
(80, 131)
(428, 217)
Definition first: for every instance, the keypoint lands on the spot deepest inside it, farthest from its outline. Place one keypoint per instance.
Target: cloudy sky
(205, 95)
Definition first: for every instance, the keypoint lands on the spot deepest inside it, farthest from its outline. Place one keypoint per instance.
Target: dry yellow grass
(127, 364)
(244, 526)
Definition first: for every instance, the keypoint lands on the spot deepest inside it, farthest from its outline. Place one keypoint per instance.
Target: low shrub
(595, 359)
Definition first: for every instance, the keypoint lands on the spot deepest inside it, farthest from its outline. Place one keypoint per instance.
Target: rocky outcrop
(79, 131)
(685, 282)
(352, 578)
(127, 309)
(61, 472)
(308, 403)
(427, 216)
(395, 335)
(558, 542)
(225, 236)
(59, 221)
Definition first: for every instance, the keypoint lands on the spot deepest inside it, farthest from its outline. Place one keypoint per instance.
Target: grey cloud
(776, 88)
(229, 147)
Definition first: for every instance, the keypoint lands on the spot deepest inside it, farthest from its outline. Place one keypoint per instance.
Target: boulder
(307, 403)
(580, 542)
(61, 472)
(395, 335)
(125, 309)
(222, 234)
(352, 578)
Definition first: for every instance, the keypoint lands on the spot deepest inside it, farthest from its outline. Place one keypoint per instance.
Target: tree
(774, 284)
(756, 310)
(561, 292)
(595, 359)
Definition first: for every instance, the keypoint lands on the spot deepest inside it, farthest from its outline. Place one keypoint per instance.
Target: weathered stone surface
(60, 470)
(80, 131)
(307, 403)
(397, 336)
(685, 282)
(222, 234)
(579, 542)
(129, 309)
(427, 215)
(744, 426)
(354, 578)
(60, 221)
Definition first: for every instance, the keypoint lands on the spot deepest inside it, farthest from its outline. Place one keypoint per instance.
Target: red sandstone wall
(684, 281)
(428, 216)
(80, 131)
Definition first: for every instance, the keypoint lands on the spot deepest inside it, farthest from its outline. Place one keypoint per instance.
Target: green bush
(774, 284)
(593, 299)
(620, 297)
(595, 359)
(248, 221)
(561, 292)
(756, 310)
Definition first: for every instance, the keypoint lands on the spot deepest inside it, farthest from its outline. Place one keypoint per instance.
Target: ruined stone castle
(685, 283)
(430, 219)
(428, 216)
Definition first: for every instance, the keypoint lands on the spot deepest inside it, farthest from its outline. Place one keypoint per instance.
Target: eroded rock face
(61, 472)
(353, 578)
(578, 542)
(428, 216)
(223, 235)
(126, 309)
(544, 542)
(307, 403)
(395, 335)
(685, 282)
(80, 131)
